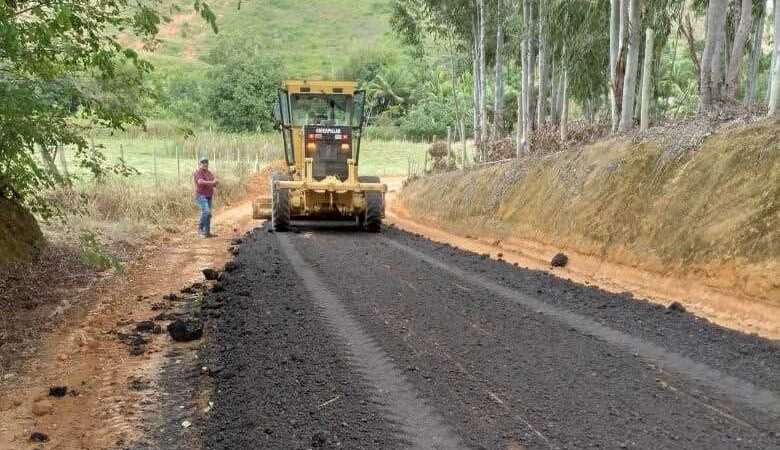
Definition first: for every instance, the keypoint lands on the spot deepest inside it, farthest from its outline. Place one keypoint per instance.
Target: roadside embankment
(20, 238)
(697, 224)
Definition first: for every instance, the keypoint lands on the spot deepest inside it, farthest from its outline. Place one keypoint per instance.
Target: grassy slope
(314, 39)
(712, 212)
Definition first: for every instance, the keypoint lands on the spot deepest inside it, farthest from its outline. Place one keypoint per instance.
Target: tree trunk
(482, 77)
(527, 50)
(51, 166)
(687, 30)
(564, 105)
(716, 70)
(64, 163)
(541, 99)
(520, 96)
(755, 57)
(553, 89)
(532, 55)
(632, 67)
(559, 96)
(475, 77)
(713, 43)
(647, 71)
(455, 100)
(498, 101)
(738, 49)
(614, 53)
(774, 98)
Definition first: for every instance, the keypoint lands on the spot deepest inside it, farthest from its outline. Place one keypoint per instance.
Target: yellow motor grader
(321, 124)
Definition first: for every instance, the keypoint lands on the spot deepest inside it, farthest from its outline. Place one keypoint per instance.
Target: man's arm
(203, 182)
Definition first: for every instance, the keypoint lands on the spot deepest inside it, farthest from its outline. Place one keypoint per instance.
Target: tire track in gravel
(497, 370)
(747, 393)
(275, 376)
(422, 426)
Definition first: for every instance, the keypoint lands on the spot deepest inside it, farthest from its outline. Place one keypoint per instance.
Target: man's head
(203, 163)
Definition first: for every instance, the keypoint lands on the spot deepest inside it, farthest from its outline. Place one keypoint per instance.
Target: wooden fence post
(154, 157)
(449, 145)
(178, 165)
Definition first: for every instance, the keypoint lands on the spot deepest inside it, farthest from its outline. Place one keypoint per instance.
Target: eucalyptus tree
(755, 53)
(711, 60)
(458, 22)
(498, 92)
(774, 98)
(738, 48)
(632, 66)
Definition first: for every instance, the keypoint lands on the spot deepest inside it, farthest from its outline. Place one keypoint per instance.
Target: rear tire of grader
(374, 206)
(280, 205)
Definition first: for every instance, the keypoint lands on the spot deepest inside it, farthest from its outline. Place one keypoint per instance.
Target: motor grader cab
(321, 124)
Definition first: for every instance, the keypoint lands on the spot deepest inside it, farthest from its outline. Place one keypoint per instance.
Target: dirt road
(328, 338)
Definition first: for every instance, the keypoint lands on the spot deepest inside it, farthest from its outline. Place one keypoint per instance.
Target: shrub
(427, 119)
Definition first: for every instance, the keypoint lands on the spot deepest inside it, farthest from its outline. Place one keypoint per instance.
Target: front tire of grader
(280, 206)
(374, 206)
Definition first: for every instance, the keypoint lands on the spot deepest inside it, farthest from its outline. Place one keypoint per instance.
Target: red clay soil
(89, 352)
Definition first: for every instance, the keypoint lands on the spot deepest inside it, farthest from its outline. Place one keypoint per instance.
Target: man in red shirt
(205, 182)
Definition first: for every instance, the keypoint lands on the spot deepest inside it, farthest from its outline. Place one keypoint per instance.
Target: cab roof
(320, 87)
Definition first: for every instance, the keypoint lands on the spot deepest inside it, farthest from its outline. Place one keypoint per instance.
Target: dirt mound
(705, 207)
(258, 183)
(21, 239)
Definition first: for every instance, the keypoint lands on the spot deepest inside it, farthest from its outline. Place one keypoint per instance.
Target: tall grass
(159, 198)
(129, 210)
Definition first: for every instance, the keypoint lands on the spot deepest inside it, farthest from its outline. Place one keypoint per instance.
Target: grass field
(313, 39)
(234, 153)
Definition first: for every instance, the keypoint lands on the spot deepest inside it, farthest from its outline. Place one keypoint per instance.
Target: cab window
(318, 109)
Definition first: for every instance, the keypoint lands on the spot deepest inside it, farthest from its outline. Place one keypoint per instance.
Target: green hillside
(314, 39)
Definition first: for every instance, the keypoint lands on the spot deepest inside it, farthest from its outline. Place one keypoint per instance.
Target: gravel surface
(282, 381)
(361, 336)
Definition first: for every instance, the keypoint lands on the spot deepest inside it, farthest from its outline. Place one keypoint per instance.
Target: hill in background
(312, 39)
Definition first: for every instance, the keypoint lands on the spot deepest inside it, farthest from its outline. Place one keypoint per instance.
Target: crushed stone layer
(332, 338)
(421, 424)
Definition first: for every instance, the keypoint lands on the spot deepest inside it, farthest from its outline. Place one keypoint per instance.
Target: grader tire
(374, 207)
(280, 206)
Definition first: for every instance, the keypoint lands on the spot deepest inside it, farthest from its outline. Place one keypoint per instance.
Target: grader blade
(261, 208)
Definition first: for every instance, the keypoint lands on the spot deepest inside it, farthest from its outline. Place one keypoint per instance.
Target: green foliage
(428, 118)
(60, 59)
(364, 66)
(183, 95)
(242, 86)
(676, 86)
(93, 255)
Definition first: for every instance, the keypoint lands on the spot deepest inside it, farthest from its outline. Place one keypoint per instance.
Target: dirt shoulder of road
(99, 355)
(728, 310)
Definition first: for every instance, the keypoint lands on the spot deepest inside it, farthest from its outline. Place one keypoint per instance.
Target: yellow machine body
(321, 123)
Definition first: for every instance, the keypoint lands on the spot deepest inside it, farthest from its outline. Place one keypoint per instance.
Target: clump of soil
(147, 326)
(39, 437)
(559, 260)
(194, 288)
(676, 307)
(58, 391)
(185, 330)
(135, 341)
(210, 274)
